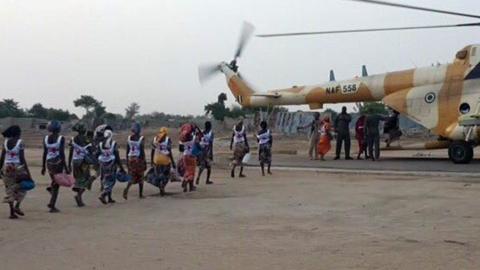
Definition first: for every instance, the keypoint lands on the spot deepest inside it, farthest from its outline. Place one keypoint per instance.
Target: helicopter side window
(461, 55)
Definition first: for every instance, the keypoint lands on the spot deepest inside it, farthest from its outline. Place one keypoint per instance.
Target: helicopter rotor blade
(390, 4)
(207, 71)
(369, 30)
(246, 34)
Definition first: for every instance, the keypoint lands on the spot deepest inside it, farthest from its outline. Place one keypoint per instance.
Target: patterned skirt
(239, 152)
(265, 153)
(12, 187)
(55, 166)
(136, 169)
(190, 163)
(81, 172)
(109, 175)
(204, 161)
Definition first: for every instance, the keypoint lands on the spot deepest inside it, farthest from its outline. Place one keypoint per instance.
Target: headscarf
(12, 131)
(162, 133)
(80, 128)
(108, 134)
(54, 126)
(136, 128)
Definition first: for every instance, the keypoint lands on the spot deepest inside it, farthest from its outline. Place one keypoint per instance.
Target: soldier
(342, 127)
(372, 134)
(392, 128)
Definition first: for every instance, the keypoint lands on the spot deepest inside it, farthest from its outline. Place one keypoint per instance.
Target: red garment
(360, 133)
(324, 144)
(190, 163)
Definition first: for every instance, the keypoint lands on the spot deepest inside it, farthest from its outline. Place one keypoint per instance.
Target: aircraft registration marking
(345, 89)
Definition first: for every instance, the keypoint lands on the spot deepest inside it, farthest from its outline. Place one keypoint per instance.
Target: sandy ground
(292, 220)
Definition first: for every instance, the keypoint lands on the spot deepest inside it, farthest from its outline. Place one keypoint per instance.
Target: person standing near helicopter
(239, 145)
(314, 135)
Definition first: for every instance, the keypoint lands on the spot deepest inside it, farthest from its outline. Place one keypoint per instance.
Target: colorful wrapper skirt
(136, 169)
(12, 188)
(81, 173)
(239, 152)
(190, 163)
(109, 175)
(265, 153)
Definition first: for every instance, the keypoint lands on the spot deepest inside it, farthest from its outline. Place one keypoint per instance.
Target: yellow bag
(160, 159)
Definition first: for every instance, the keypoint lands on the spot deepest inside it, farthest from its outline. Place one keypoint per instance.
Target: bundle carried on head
(186, 132)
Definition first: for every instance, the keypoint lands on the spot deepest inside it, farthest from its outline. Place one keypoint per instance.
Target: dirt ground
(292, 220)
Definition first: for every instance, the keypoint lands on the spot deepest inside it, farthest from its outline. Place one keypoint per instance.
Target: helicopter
(445, 99)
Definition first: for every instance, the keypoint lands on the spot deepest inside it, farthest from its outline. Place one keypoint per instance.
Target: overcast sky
(148, 51)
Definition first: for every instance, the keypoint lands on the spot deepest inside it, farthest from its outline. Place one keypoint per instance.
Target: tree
(59, 114)
(38, 111)
(373, 107)
(132, 110)
(10, 108)
(218, 109)
(87, 102)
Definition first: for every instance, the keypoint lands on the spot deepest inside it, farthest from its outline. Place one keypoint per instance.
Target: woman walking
(189, 147)
(239, 145)
(54, 160)
(79, 149)
(162, 159)
(136, 162)
(109, 159)
(265, 142)
(13, 165)
(206, 157)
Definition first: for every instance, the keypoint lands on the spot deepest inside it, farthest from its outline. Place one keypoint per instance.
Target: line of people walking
(95, 155)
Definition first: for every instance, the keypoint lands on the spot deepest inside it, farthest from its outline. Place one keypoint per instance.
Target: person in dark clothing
(392, 128)
(342, 127)
(372, 135)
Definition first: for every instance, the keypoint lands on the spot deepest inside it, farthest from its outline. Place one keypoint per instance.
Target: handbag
(27, 184)
(123, 177)
(64, 180)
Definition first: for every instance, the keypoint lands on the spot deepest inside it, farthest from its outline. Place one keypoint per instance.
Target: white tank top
(188, 147)
(135, 147)
(79, 152)
(264, 138)
(12, 156)
(239, 136)
(107, 155)
(206, 139)
(53, 149)
(162, 147)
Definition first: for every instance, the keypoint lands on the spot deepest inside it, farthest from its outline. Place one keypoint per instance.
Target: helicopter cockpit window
(461, 55)
(464, 108)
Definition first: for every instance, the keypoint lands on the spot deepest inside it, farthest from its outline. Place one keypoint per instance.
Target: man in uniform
(342, 127)
(372, 134)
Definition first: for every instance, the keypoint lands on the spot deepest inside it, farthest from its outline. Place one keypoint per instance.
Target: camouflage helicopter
(445, 99)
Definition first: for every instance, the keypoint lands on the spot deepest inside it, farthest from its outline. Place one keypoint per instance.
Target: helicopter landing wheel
(460, 152)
